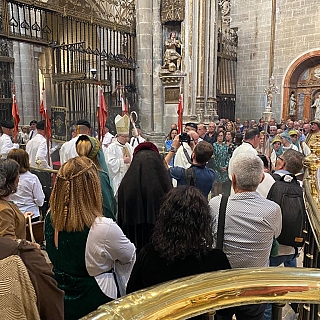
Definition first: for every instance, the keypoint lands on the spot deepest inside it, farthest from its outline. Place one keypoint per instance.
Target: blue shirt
(204, 177)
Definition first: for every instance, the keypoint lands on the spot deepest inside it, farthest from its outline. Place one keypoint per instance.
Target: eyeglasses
(280, 158)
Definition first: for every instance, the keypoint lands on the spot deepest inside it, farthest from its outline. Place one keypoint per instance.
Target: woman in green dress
(90, 147)
(220, 165)
(91, 257)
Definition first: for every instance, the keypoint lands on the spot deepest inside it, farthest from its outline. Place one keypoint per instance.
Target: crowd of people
(123, 217)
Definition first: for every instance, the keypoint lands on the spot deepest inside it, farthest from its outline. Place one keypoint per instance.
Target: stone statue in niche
(172, 59)
(316, 105)
(292, 104)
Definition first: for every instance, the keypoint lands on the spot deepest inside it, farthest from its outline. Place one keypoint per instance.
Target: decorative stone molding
(172, 10)
(172, 78)
(225, 11)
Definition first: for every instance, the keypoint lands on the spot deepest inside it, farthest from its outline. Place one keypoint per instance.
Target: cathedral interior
(220, 55)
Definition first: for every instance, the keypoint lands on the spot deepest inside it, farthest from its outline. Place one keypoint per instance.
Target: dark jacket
(49, 296)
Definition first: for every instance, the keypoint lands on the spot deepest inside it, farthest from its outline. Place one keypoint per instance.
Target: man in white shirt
(37, 148)
(136, 137)
(68, 149)
(107, 139)
(119, 153)
(33, 129)
(6, 143)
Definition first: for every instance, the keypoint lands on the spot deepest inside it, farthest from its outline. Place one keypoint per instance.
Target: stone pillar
(200, 29)
(45, 65)
(157, 99)
(211, 62)
(145, 63)
(200, 57)
(26, 77)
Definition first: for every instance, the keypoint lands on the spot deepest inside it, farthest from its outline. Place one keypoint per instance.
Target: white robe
(116, 166)
(68, 150)
(134, 142)
(6, 145)
(37, 150)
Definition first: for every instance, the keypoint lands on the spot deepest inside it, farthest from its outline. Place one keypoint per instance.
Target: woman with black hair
(181, 243)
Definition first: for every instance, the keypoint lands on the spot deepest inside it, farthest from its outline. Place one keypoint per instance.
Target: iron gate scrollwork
(6, 79)
(91, 43)
(226, 63)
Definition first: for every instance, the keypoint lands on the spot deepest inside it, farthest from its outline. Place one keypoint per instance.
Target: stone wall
(297, 32)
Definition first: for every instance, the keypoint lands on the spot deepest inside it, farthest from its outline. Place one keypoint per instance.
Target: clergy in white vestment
(37, 148)
(6, 143)
(68, 149)
(107, 139)
(119, 153)
(136, 137)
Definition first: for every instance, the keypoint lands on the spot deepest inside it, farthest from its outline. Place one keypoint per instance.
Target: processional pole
(272, 88)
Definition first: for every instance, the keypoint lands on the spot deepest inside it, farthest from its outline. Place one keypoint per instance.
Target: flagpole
(15, 114)
(98, 111)
(44, 114)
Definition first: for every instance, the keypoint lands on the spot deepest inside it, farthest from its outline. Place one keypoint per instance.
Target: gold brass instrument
(198, 294)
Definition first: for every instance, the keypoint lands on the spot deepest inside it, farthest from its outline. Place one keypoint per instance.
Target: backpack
(190, 177)
(289, 196)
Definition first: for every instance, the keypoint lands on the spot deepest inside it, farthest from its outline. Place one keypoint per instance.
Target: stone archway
(302, 80)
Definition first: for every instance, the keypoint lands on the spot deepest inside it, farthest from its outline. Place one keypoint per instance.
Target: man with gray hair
(251, 223)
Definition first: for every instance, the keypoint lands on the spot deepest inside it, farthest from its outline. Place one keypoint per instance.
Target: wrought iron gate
(89, 43)
(6, 78)
(227, 63)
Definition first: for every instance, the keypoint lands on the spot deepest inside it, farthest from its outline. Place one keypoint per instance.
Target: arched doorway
(303, 81)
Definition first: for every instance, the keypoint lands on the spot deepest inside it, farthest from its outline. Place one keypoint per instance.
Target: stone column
(157, 99)
(45, 65)
(145, 63)
(211, 61)
(200, 58)
(27, 80)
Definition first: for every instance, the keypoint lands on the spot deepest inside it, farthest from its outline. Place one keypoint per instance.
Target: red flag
(124, 106)
(180, 113)
(16, 117)
(45, 115)
(102, 113)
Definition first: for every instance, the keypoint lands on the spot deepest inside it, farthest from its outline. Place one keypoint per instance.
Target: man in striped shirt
(251, 223)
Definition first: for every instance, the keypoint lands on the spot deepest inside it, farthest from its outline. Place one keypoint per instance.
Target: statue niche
(172, 55)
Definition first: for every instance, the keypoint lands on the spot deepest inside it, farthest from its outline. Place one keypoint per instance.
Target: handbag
(35, 231)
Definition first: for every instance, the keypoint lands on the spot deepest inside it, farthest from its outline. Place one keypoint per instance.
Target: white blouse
(29, 195)
(108, 248)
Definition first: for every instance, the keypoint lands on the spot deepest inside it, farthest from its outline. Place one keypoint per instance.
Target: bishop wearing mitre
(119, 153)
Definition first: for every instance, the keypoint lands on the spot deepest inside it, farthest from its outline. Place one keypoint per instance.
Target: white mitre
(122, 124)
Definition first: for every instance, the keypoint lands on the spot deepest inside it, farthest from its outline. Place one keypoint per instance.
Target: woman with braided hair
(92, 258)
(90, 147)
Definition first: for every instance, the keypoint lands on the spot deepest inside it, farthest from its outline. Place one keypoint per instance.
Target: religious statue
(292, 104)
(172, 59)
(316, 105)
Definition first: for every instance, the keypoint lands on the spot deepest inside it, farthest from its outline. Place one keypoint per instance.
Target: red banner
(16, 117)
(124, 107)
(102, 113)
(180, 113)
(45, 115)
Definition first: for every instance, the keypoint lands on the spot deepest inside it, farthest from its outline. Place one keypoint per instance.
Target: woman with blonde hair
(89, 147)
(29, 195)
(91, 256)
